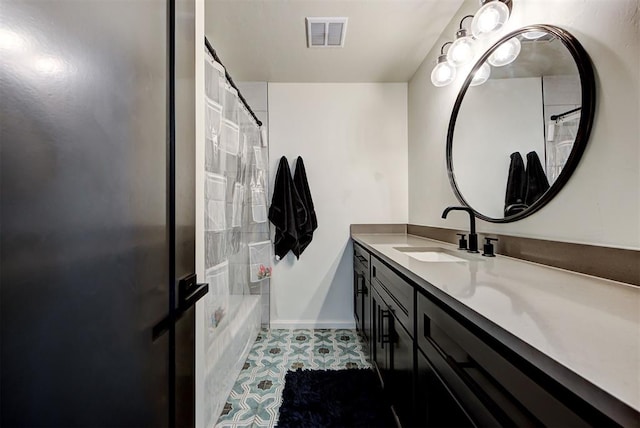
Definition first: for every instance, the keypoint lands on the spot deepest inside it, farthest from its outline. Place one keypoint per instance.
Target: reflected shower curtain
(561, 135)
(237, 247)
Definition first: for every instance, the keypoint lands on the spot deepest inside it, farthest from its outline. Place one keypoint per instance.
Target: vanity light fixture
(481, 75)
(506, 53)
(443, 73)
(462, 50)
(491, 17)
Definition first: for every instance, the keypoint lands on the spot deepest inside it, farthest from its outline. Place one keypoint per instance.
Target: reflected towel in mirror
(516, 186)
(537, 182)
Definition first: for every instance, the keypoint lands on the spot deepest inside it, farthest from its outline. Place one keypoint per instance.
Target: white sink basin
(431, 254)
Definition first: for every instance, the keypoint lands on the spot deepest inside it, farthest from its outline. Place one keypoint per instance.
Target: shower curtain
(236, 234)
(561, 135)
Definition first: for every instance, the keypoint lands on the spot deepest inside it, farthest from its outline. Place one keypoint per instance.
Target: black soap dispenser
(488, 247)
(462, 243)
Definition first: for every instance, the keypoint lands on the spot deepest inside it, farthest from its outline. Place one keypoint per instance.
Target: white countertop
(587, 324)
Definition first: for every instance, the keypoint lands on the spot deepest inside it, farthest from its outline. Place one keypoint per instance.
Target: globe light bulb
(490, 18)
(443, 73)
(462, 50)
(488, 21)
(506, 53)
(481, 75)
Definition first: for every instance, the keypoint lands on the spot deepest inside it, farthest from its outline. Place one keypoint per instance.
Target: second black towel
(305, 230)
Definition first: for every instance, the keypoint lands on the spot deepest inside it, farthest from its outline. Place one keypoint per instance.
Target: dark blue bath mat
(333, 398)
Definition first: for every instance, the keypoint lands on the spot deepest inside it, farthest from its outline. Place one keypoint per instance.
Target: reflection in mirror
(515, 132)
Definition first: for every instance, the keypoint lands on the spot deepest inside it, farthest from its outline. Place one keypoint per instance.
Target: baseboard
(311, 324)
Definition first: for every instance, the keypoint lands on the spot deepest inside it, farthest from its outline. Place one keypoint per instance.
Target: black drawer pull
(426, 326)
(378, 324)
(388, 337)
(359, 285)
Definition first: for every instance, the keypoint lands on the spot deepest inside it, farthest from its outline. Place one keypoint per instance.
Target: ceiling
(265, 40)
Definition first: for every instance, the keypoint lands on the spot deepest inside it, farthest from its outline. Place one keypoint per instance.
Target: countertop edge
(532, 358)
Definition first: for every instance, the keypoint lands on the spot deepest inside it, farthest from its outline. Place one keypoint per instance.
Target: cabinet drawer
(506, 393)
(361, 261)
(397, 293)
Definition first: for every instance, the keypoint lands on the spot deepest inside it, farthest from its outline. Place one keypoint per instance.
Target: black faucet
(473, 237)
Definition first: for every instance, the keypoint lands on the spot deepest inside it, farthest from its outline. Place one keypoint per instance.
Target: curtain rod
(566, 113)
(212, 51)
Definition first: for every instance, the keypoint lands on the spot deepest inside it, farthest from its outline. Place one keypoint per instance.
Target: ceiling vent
(326, 32)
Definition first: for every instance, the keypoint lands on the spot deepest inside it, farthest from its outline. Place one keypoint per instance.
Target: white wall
(353, 139)
(601, 202)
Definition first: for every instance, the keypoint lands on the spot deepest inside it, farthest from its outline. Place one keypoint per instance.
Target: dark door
(185, 161)
(86, 215)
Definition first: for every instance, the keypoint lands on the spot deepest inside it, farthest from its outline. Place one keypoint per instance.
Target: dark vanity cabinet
(436, 406)
(439, 368)
(491, 389)
(362, 291)
(393, 345)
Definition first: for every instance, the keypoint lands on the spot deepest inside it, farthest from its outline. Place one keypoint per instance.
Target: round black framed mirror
(516, 136)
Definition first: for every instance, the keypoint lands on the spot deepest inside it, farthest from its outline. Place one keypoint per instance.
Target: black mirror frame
(588, 91)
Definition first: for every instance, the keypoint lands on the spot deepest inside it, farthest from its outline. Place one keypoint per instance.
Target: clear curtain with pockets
(214, 75)
(561, 135)
(258, 204)
(237, 247)
(258, 179)
(230, 103)
(260, 260)
(229, 137)
(261, 156)
(215, 224)
(238, 201)
(214, 160)
(218, 304)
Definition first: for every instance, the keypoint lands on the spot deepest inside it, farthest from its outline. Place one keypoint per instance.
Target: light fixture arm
(442, 47)
(462, 20)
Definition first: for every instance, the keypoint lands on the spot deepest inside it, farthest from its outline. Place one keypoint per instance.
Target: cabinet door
(381, 354)
(356, 298)
(435, 406)
(401, 380)
(366, 311)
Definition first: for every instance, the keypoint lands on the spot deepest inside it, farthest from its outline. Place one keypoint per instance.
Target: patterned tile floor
(257, 394)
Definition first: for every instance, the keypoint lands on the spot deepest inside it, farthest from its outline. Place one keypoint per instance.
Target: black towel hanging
(537, 183)
(516, 186)
(286, 211)
(305, 230)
